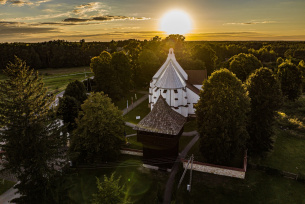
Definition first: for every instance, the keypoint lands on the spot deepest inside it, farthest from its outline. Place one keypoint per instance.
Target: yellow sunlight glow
(176, 22)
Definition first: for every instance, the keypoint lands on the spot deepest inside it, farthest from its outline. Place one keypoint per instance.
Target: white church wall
(198, 86)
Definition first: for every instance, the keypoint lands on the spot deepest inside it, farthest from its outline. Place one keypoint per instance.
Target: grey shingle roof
(162, 119)
(170, 79)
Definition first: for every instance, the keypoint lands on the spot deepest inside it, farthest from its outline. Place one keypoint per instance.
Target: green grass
(121, 104)
(133, 143)
(184, 140)
(258, 187)
(141, 185)
(190, 125)
(288, 153)
(141, 110)
(56, 80)
(5, 185)
(129, 130)
(58, 83)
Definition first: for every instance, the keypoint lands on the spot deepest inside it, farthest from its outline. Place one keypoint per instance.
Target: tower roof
(170, 78)
(162, 119)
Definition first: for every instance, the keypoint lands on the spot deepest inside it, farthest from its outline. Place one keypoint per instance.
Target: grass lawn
(4, 186)
(289, 152)
(141, 110)
(121, 104)
(190, 125)
(141, 185)
(184, 140)
(258, 187)
(133, 143)
(56, 80)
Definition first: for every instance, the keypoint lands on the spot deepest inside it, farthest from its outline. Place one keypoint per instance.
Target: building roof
(171, 59)
(170, 79)
(162, 119)
(196, 77)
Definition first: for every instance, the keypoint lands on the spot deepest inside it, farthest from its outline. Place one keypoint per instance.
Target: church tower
(173, 84)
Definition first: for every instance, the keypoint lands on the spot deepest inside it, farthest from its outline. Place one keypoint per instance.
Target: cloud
(104, 18)
(251, 23)
(20, 3)
(90, 9)
(75, 20)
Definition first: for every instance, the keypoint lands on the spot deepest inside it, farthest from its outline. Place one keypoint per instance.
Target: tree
(77, 90)
(266, 98)
(290, 79)
(148, 65)
(31, 138)
(105, 76)
(301, 67)
(122, 69)
(243, 65)
(68, 110)
(221, 117)
(99, 132)
(109, 191)
(207, 55)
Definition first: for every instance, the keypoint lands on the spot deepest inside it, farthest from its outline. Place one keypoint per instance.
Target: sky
(106, 20)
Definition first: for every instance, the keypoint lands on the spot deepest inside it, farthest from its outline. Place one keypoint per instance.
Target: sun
(176, 22)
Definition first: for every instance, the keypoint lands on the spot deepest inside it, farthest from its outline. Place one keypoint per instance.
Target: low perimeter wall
(217, 169)
(134, 152)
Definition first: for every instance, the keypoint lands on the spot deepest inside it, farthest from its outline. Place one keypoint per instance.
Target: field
(56, 80)
(258, 187)
(141, 110)
(141, 185)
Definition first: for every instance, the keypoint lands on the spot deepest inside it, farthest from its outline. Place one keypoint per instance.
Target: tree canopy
(77, 90)
(109, 191)
(266, 98)
(31, 138)
(290, 79)
(243, 65)
(221, 117)
(99, 132)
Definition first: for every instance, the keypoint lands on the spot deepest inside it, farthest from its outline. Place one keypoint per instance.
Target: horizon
(31, 21)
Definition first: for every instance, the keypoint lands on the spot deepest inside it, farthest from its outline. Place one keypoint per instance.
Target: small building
(159, 132)
(178, 87)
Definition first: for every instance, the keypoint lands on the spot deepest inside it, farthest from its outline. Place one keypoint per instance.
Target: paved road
(9, 195)
(135, 104)
(170, 182)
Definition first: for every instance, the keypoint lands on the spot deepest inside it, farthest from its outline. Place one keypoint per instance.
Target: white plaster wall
(198, 86)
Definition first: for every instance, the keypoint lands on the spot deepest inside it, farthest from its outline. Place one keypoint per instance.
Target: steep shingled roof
(170, 79)
(162, 119)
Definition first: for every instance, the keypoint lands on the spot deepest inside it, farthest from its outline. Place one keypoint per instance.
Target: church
(179, 87)
(173, 93)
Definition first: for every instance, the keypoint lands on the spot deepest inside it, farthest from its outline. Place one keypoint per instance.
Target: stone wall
(217, 169)
(133, 152)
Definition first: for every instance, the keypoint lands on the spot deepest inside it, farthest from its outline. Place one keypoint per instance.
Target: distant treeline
(60, 53)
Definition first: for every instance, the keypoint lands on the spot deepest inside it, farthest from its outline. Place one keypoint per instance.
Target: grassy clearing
(121, 104)
(133, 143)
(258, 187)
(289, 152)
(5, 185)
(184, 140)
(141, 185)
(58, 83)
(190, 125)
(141, 110)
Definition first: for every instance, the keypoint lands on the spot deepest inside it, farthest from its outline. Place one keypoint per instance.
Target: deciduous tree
(77, 90)
(243, 65)
(99, 132)
(290, 79)
(266, 97)
(109, 191)
(221, 117)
